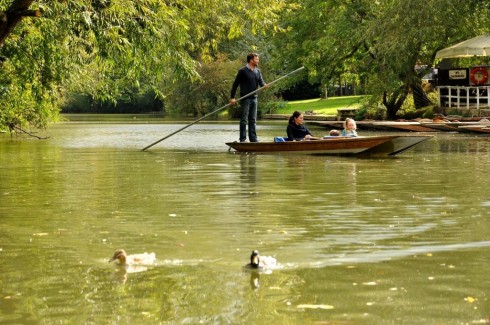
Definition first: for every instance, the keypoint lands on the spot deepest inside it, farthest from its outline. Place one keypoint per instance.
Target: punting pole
(219, 109)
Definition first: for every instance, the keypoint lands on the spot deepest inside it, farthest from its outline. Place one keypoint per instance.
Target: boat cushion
(281, 139)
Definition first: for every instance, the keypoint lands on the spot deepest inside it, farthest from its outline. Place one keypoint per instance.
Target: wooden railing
(464, 96)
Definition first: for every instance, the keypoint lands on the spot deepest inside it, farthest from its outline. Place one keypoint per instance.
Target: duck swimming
(135, 259)
(254, 260)
(260, 262)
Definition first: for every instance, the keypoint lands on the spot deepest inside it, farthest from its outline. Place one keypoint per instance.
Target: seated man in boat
(296, 130)
(350, 128)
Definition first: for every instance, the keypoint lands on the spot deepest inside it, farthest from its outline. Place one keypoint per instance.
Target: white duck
(135, 259)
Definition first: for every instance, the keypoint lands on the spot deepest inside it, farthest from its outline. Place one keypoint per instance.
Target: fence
(468, 97)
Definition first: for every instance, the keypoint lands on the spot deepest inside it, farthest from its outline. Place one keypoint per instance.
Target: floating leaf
(470, 299)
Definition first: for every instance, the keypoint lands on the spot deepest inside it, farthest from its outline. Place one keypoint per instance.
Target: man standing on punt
(248, 79)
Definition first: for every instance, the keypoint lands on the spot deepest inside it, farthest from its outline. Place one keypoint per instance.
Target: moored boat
(372, 145)
(441, 126)
(403, 126)
(474, 126)
(478, 128)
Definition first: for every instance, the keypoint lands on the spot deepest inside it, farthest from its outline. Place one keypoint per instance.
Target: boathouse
(465, 89)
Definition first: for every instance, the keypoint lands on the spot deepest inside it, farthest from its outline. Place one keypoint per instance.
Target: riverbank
(479, 125)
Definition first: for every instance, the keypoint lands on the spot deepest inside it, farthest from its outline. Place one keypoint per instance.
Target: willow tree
(104, 47)
(381, 41)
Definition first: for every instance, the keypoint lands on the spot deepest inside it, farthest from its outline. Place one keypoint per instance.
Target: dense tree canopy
(380, 41)
(107, 48)
(112, 49)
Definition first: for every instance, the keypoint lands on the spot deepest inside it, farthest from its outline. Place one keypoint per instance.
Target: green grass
(322, 106)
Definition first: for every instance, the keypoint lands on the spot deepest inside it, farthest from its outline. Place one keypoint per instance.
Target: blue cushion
(281, 139)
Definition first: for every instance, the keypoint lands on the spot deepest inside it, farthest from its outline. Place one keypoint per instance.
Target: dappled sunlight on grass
(322, 106)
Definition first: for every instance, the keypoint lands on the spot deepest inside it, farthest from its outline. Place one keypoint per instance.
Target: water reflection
(121, 274)
(379, 240)
(248, 171)
(458, 143)
(254, 279)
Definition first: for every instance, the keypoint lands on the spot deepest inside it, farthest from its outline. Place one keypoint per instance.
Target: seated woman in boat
(296, 130)
(350, 128)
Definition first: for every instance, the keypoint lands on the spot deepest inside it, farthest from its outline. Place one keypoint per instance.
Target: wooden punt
(441, 126)
(388, 145)
(403, 126)
(478, 128)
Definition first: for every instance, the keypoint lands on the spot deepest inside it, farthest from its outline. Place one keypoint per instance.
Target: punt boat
(385, 145)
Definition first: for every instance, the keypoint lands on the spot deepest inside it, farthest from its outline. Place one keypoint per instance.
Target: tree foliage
(381, 41)
(109, 48)
(200, 97)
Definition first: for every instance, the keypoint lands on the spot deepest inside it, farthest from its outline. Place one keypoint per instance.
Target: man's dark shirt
(248, 81)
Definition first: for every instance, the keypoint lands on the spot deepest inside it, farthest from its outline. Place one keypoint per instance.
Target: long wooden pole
(219, 109)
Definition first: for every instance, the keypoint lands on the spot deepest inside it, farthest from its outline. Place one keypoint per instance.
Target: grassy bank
(321, 106)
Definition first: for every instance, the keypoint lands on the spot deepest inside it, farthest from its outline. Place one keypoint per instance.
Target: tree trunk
(13, 15)
(340, 86)
(394, 102)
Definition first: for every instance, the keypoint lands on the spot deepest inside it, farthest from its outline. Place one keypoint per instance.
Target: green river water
(392, 240)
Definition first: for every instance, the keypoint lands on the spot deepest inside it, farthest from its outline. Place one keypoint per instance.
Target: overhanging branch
(13, 15)
(31, 13)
